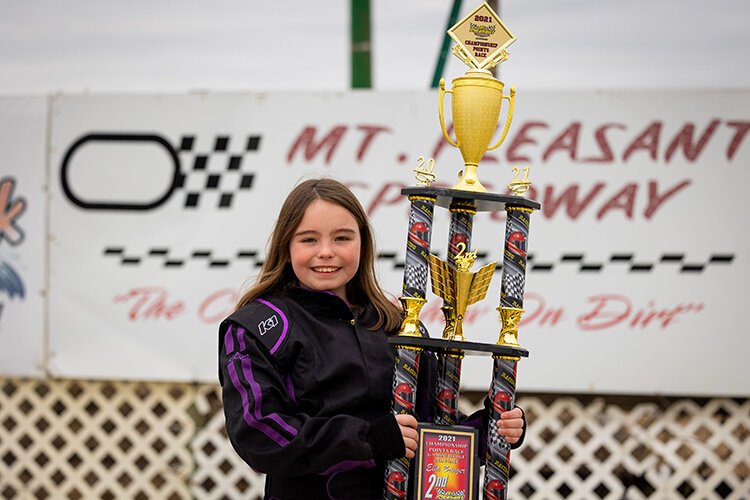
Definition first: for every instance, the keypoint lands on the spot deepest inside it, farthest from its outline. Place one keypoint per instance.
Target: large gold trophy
(477, 97)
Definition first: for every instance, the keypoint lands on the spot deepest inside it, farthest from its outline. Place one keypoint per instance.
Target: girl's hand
(408, 426)
(510, 425)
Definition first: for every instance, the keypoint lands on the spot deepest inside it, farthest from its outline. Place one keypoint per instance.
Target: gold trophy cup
(477, 96)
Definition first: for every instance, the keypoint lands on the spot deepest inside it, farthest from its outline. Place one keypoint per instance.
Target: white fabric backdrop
(641, 231)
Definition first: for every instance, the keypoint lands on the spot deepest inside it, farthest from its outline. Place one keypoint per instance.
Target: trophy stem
(509, 318)
(468, 180)
(449, 314)
(410, 323)
(458, 330)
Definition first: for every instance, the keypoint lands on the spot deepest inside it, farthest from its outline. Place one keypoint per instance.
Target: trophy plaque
(445, 462)
(481, 41)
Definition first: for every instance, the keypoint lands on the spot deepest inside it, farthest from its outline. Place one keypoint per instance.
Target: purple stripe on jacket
(254, 417)
(247, 371)
(283, 320)
(247, 415)
(290, 389)
(229, 340)
(240, 338)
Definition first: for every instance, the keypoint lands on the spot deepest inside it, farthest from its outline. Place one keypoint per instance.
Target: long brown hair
(277, 274)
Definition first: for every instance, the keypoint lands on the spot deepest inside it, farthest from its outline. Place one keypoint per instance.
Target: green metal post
(442, 56)
(361, 48)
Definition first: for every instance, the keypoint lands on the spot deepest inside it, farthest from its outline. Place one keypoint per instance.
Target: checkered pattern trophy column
(445, 408)
(406, 368)
(503, 390)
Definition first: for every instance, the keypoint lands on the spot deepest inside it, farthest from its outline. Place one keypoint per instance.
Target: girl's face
(325, 248)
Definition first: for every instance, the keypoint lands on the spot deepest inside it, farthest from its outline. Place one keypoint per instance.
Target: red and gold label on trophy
(447, 467)
(481, 37)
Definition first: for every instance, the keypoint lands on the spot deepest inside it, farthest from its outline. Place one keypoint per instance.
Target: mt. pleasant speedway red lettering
(530, 141)
(645, 198)
(624, 200)
(690, 139)
(306, 141)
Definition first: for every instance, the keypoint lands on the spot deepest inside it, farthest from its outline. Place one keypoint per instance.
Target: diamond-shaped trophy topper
(482, 38)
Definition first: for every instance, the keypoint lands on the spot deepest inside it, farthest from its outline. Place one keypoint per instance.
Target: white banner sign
(23, 123)
(162, 206)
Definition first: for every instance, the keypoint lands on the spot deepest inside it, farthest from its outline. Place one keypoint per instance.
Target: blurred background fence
(79, 439)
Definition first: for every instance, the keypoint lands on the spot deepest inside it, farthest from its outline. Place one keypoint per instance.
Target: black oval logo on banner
(139, 139)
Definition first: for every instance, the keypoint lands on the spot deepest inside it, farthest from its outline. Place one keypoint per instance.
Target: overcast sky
(75, 46)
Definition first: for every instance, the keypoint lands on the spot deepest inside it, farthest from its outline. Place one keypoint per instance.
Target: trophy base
(450, 346)
(485, 202)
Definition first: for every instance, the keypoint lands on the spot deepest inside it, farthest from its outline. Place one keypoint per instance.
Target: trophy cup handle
(508, 119)
(441, 113)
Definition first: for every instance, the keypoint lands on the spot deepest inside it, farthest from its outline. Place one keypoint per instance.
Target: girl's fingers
(510, 425)
(513, 414)
(407, 424)
(411, 446)
(515, 423)
(409, 433)
(406, 420)
(511, 434)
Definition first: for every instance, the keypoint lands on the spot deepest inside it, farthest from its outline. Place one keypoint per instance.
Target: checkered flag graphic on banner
(416, 277)
(213, 169)
(513, 284)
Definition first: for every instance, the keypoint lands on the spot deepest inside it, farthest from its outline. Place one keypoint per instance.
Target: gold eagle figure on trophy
(459, 287)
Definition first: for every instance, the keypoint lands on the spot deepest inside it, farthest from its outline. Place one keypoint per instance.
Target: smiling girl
(305, 365)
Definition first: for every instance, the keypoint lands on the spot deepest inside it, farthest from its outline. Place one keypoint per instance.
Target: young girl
(305, 366)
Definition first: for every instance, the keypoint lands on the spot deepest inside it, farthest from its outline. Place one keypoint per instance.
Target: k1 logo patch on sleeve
(267, 324)
(274, 328)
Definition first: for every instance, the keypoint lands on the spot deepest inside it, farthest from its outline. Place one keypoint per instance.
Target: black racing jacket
(306, 387)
